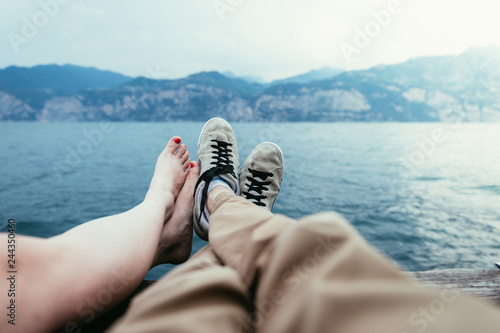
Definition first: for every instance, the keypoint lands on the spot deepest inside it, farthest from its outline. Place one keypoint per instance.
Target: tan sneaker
(261, 175)
(218, 157)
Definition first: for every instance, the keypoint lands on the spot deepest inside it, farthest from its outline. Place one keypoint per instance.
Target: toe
(195, 171)
(185, 165)
(173, 145)
(185, 157)
(181, 151)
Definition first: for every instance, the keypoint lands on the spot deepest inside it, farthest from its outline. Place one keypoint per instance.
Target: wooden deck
(482, 283)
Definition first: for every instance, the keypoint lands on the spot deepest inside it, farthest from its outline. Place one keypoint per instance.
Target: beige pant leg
(199, 296)
(319, 275)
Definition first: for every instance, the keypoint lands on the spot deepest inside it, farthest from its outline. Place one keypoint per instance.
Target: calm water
(427, 195)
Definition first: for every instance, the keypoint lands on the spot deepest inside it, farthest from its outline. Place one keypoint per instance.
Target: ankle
(214, 193)
(163, 202)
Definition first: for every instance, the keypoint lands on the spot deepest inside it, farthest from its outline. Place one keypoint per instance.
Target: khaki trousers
(268, 273)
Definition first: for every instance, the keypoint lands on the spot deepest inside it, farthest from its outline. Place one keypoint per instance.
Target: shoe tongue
(253, 192)
(260, 179)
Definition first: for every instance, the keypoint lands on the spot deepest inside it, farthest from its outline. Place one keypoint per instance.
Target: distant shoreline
(427, 89)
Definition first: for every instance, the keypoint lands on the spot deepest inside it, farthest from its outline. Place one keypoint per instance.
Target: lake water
(426, 195)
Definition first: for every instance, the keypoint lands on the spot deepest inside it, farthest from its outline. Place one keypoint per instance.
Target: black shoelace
(258, 186)
(222, 164)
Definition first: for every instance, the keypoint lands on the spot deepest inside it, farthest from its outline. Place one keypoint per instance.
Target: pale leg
(82, 273)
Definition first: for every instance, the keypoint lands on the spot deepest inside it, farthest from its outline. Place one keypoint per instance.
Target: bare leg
(176, 240)
(89, 269)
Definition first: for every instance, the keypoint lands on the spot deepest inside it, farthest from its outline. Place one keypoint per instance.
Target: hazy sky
(270, 39)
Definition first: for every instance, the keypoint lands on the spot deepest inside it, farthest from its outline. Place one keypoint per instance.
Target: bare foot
(176, 239)
(172, 168)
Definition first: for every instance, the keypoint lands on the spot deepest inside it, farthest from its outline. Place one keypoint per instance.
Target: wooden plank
(483, 283)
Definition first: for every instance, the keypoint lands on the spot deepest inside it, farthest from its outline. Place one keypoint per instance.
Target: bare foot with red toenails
(172, 168)
(176, 240)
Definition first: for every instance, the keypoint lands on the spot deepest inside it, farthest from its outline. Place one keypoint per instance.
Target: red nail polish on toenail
(185, 146)
(177, 140)
(192, 165)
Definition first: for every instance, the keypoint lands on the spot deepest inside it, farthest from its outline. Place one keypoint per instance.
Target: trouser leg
(199, 296)
(320, 275)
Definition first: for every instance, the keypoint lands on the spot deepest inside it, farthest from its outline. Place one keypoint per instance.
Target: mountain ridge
(322, 73)
(442, 88)
(61, 78)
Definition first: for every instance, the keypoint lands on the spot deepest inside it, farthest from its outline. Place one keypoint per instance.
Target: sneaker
(218, 157)
(261, 175)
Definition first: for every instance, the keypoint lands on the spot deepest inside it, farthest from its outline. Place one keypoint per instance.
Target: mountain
(198, 96)
(67, 78)
(314, 75)
(431, 89)
(248, 78)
